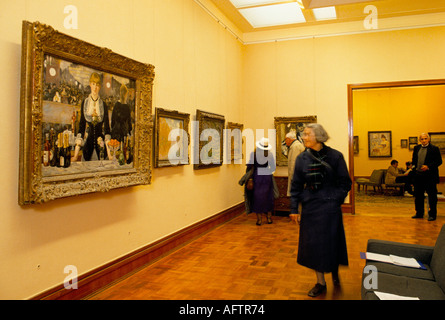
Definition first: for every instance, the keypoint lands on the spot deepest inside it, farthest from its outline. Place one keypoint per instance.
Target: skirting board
(105, 275)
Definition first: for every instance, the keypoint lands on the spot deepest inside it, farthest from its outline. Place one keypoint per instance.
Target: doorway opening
(404, 108)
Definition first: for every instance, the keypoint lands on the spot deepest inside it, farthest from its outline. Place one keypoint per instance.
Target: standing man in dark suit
(426, 159)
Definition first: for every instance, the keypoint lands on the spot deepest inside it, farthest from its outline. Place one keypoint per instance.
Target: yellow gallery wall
(405, 111)
(310, 76)
(199, 65)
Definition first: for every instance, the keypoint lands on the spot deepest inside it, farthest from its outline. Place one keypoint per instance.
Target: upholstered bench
(425, 284)
(375, 180)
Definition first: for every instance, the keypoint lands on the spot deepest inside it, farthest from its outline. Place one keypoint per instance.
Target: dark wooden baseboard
(346, 208)
(97, 279)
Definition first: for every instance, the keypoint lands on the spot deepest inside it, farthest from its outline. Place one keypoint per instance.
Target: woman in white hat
(262, 196)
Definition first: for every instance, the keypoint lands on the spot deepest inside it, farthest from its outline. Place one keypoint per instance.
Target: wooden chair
(375, 180)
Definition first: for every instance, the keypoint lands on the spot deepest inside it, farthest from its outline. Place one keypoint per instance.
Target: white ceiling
(347, 11)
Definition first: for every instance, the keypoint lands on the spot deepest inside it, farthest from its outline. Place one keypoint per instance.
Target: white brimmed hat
(264, 144)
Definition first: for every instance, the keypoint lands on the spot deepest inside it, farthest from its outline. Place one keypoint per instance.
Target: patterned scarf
(316, 173)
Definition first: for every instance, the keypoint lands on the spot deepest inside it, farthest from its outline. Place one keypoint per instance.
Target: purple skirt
(263, 200)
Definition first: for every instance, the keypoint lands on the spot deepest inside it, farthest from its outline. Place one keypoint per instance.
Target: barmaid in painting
(94, 121)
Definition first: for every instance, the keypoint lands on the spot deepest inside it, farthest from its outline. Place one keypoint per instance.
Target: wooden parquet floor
(242, 261)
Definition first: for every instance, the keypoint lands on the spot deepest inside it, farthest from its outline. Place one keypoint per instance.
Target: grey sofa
(426, 284)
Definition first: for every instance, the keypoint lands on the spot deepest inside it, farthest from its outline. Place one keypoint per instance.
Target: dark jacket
(120, 121)
(433, 160)
(93, 130)
(336, 185)
(321, 192)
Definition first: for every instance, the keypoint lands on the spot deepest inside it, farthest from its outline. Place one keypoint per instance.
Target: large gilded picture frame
(283, 125)
(85, 117)
(208, 140)
(172, 138)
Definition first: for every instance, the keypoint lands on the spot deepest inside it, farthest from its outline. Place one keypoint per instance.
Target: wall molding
(112, 272)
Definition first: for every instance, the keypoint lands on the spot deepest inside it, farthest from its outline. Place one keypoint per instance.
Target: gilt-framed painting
(379, 144)
(208, 140)
(171, 138)
(404, 143)
(355, 144)
(234, 140)
(85, 117)
(412, 142)
(438, 139)
(283, 126)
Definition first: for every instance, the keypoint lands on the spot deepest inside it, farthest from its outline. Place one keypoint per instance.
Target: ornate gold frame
(282, 125)
(176, 115)
(208, 120)
(40, 39)
(231, 150)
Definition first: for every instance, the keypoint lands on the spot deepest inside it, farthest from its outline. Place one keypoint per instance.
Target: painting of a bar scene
(88, 119)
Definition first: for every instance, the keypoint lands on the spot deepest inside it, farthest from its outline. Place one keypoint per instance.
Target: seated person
(409, 167)
(407, 178)
(393, 176)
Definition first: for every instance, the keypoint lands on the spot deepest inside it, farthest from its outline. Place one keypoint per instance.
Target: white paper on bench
(405, 262)
(378, 257)
(400, 261)
(390, 296)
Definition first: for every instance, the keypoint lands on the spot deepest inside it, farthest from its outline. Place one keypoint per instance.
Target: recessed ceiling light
(273, 15)
(326, 13)
(251, 3)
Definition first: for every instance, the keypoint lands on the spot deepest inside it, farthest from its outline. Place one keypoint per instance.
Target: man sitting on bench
(393, 176)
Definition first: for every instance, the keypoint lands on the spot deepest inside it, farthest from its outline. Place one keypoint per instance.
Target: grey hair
(320, 133)
(424, 134)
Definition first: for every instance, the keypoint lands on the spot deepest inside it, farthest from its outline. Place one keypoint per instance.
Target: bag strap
(327, 165)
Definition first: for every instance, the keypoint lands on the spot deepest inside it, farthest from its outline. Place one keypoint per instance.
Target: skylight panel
(326, 13)
(251, 3)
(273, 15)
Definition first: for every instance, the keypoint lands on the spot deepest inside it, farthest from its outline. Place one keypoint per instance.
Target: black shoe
(417, 217)
(431, 218)
(335, 279)
(317, 290)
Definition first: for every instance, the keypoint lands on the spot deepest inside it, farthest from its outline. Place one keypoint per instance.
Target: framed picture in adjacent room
(85, 117)
(355, 144)
(208, 140)
(412, 142)
(284, 126)
(404, 143)
(234, 140)
(379, 144)
(171, 138)
(438, 139)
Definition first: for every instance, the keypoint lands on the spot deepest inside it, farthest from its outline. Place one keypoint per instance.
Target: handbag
(249, 184)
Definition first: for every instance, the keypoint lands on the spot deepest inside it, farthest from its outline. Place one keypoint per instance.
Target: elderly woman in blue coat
(320, 184)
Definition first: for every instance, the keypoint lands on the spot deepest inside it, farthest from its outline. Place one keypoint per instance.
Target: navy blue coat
(322, 242)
